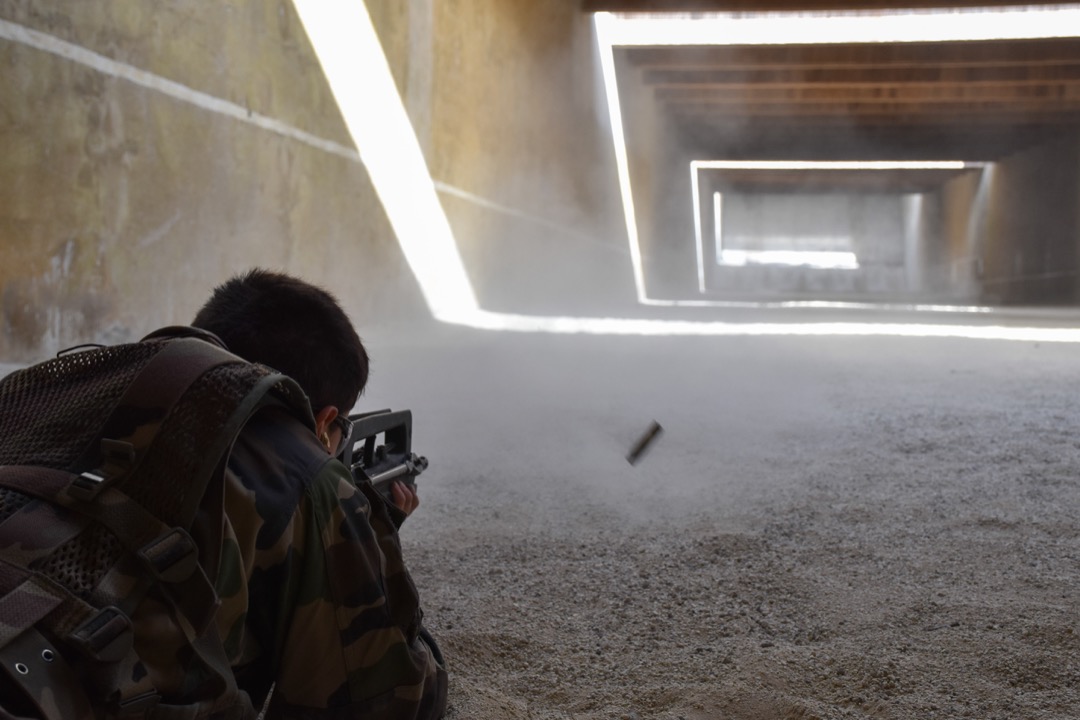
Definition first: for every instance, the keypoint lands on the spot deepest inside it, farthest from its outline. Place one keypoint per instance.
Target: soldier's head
(295, 328)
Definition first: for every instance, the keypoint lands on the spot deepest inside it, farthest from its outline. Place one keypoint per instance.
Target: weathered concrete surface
(507, 103)
(518, 123)
(121, 206)
(1032, 231)
(962, 218)
(660, 181)
(1013, 230)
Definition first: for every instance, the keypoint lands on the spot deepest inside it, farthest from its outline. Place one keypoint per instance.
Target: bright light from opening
(687, 328)
(718, 222)
(819, 260)
(805, 258)
(359, 77)
(602, 23)
(818, 28)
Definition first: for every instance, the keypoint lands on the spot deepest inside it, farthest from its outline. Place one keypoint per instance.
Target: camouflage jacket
(315, 595)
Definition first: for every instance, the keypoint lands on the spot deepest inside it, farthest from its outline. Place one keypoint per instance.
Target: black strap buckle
(172, 558)
(117, 458)
(105, 637)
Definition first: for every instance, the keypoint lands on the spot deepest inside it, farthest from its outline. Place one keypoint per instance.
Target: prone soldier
(179, 539)
(316, 598)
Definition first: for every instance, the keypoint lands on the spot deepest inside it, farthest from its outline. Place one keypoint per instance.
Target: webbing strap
(11, 576)
(25, 601)
(139, 531)
(27, 597)
(36, 530)
(152, 394)
(191, 596)
(133, 526)
(211, 461)
(37, 481)
(45, 677)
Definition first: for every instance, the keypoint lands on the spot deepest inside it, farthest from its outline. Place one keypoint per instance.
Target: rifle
(392, 460)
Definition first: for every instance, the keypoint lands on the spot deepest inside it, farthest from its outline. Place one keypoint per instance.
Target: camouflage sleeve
(332, 615)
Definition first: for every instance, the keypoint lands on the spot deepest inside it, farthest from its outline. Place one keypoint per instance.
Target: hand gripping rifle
(382, 464)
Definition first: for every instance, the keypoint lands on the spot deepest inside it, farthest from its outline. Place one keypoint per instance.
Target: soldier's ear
(323, 418)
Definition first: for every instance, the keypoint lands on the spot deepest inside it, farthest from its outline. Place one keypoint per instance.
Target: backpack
(111, 468)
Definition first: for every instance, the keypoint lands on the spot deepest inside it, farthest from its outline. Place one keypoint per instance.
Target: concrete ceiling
(829, 181)
(961, 100)
(973, 100)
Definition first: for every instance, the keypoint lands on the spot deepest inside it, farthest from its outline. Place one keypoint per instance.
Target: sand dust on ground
(827, 528)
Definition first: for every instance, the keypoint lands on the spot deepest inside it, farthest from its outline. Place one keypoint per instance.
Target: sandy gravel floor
(828, 527)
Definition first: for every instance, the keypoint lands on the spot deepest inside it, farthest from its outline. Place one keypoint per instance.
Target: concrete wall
(921, 226)
(508, 101)
(1032, 230)
(1011, 233)
(955, 267)
(660, 180)
(122, 205)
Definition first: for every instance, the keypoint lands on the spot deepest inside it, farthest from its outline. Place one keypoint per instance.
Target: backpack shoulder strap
(130, 434)
(147, 400)
(173, 425)
(179, 331)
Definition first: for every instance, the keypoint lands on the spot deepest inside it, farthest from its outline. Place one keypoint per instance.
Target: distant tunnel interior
(918, 158)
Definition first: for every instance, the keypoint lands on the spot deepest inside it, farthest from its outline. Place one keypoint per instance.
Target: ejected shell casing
(643, 443)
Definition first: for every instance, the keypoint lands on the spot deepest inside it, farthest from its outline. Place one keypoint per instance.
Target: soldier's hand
(405, 497)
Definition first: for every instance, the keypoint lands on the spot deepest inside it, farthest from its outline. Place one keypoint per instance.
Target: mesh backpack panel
(54, 410)
(167, 410)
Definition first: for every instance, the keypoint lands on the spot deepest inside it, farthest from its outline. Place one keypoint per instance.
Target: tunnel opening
(821, 230)
(996, 91)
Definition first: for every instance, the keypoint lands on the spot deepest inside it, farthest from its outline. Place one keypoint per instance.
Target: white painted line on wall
(527, 217)
(61, 48)
(159, 233)
(113, 68)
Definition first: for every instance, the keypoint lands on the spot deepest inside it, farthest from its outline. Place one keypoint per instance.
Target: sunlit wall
(147, 153)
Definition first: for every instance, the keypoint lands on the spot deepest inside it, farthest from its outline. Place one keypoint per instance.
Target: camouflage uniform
(315, 594)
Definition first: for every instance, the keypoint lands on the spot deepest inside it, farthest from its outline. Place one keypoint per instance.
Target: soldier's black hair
(293, 327)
